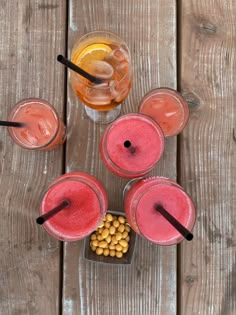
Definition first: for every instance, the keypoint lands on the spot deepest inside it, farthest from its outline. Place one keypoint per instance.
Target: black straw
(51, 213)
(11, 123)
(175, 223)
(129, 146)
(78, 70)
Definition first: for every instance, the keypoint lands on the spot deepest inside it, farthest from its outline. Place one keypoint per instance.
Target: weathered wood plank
(32, 33)
(208, 159)
(148, 286)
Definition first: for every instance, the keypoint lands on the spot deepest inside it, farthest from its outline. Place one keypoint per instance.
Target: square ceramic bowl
(125, 260)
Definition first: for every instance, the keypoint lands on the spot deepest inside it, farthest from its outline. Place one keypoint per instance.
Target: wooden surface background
(189, 44)
(32, 33)
(207, 155)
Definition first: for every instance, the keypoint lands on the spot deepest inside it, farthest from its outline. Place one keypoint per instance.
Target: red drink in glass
(43, 129)
(147, 141)
(168, 108)
(140, 200)
(87, 206)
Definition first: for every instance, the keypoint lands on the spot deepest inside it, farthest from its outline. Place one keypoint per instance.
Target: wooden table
(189, 45)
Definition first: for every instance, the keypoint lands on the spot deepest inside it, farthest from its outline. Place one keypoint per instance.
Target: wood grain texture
(148, 286)
(32, 33)
(208, 159)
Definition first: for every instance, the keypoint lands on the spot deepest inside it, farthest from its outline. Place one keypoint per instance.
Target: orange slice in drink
(89, 54)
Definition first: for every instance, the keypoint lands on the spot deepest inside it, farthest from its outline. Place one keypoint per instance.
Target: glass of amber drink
(107, 57)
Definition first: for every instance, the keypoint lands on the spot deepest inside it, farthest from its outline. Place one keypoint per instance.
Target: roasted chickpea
(124, 234)
(107, 225)
(123, 243)
(106, 252)
(109, 217)
(119, 254)
(112, 253)
(93, 237)
(118, 236)
(121, 219)
(118, 247)
(112, 230)
(116, 223)
(105, 233)
(121, 228)
(99, 251)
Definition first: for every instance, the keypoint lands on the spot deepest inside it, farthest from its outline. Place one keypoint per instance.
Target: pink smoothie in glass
(87, 206)
(140, 201)
(168, 108)
(147, 145)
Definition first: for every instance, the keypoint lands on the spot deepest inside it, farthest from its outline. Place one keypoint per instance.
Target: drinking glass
(140, 199)
(105, 56)
(132, 145)
(42, 128)
(87, 207)
(168, 108)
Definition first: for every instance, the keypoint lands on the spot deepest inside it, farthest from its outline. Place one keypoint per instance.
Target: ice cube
(101, 69)
(29, 137)
(119, 54)
(123, 66)
(122, 93)
(170, 114)
(157, 103)
(100, 95)
(114, 92)
(112, 84)
(45, 128)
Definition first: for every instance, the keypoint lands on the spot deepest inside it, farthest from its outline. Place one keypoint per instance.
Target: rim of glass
(118, 168)
(192, 211)
(26, 102)
(121, 42)
(179, 96)
(88, 183)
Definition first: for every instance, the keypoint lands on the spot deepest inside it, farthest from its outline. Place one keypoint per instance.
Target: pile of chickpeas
(112, 237)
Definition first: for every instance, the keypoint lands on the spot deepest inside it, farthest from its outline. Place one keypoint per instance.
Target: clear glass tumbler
(106, 56)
